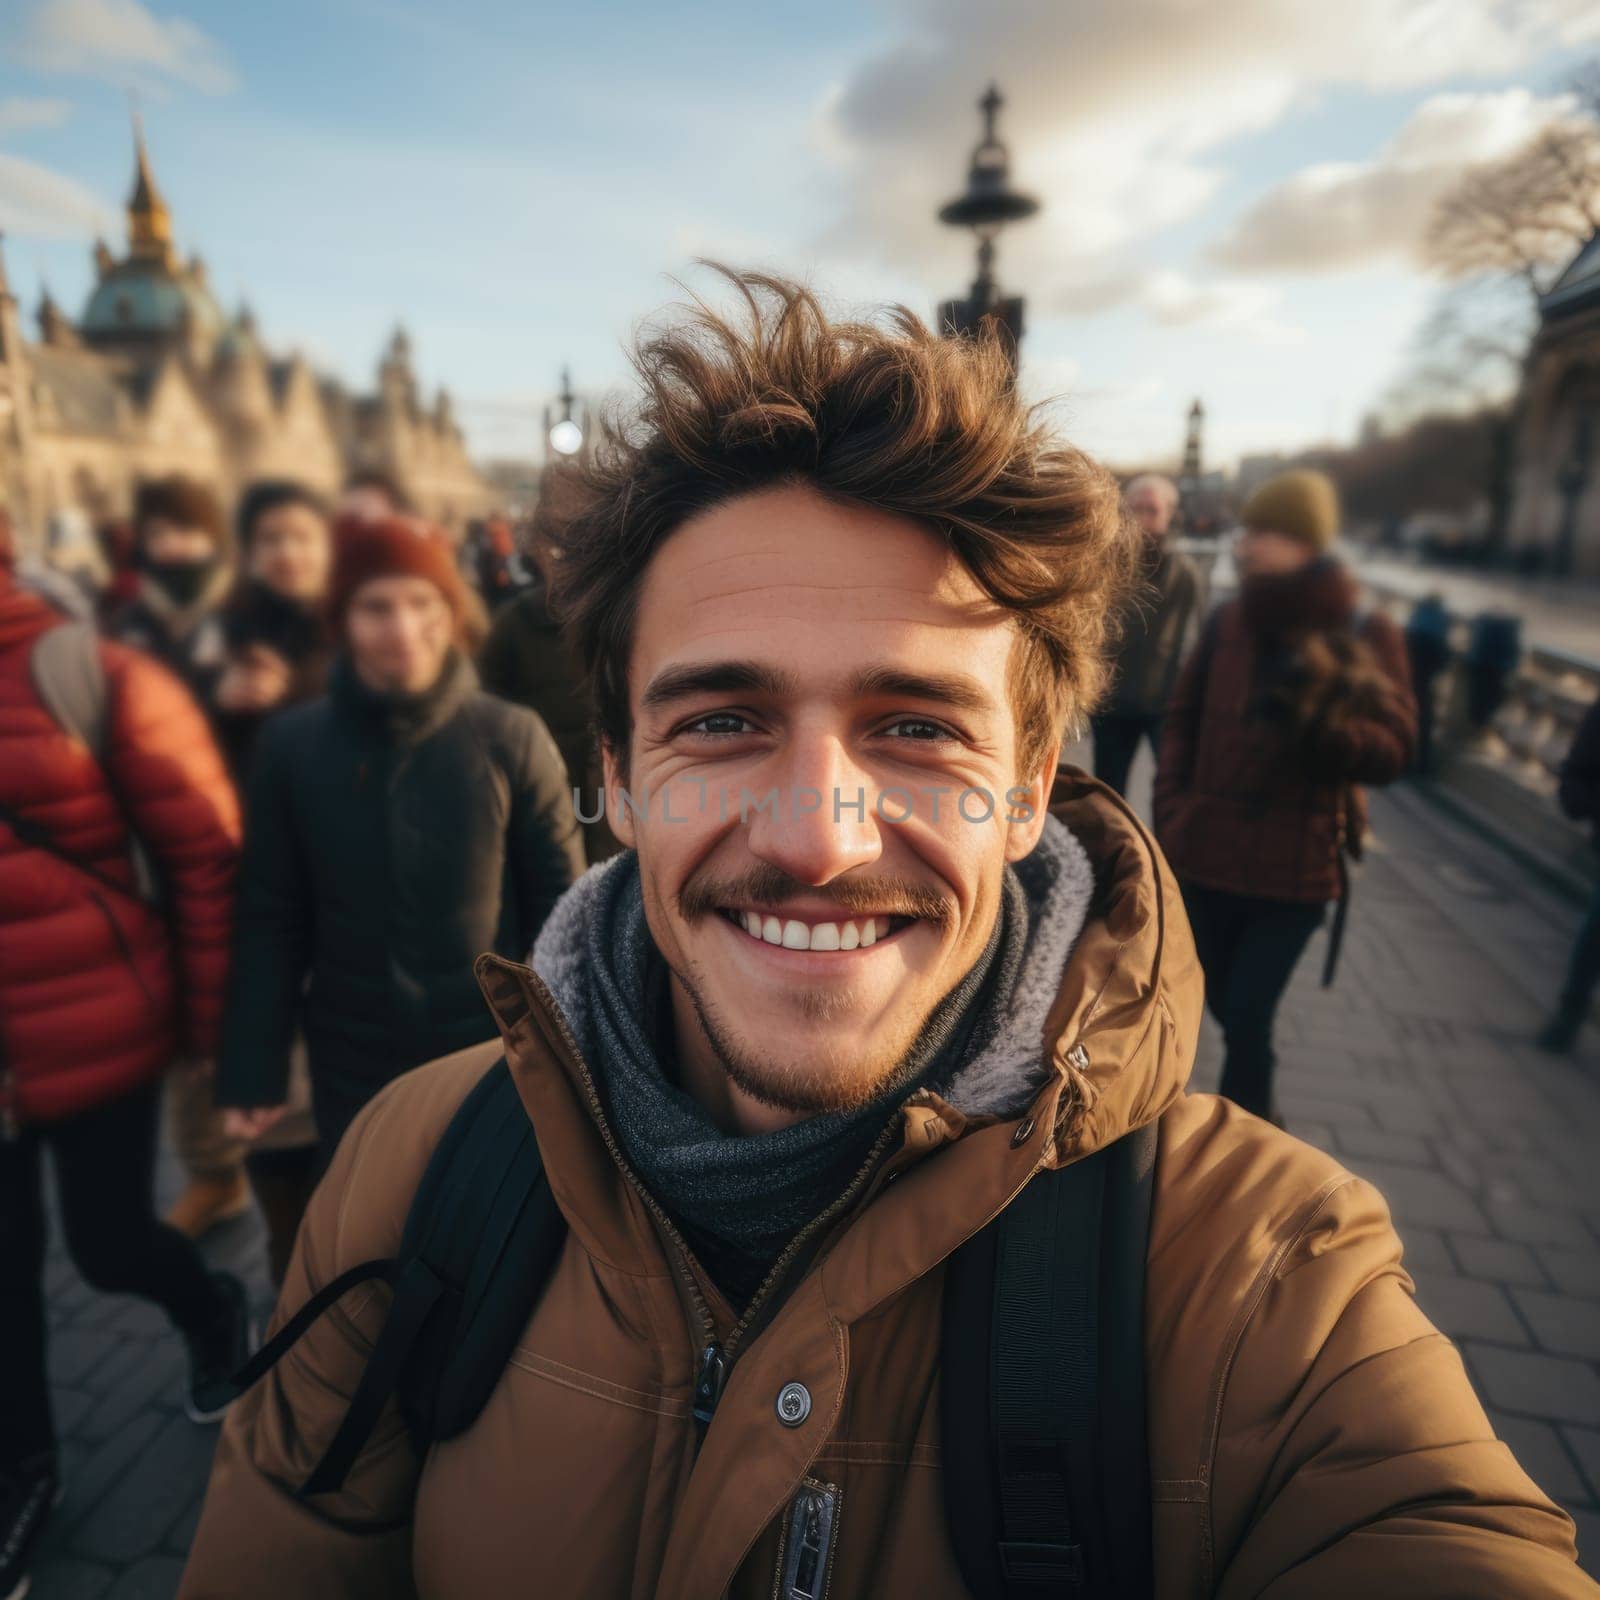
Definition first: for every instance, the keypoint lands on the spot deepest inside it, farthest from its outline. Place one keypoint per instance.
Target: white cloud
(1342, 214)
(19, 112)
(41, 204)
(119, 40)
(1119, 116)
(1175, 300)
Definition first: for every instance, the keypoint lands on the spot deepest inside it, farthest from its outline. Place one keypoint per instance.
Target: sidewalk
(1415, 1070)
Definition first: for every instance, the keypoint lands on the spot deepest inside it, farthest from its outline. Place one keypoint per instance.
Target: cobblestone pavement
(1415, 1070)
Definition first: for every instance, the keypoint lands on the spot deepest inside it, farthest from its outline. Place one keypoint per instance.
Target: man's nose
(823, 821)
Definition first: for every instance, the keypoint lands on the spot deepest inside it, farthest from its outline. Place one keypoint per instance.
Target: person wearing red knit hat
(397, 827)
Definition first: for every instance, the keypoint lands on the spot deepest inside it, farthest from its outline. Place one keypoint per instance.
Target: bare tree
(1524, 216)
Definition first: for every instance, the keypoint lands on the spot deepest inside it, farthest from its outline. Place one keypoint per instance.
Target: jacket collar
(401, 719)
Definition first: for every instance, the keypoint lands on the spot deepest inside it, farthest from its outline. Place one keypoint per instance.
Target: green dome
(146, 297)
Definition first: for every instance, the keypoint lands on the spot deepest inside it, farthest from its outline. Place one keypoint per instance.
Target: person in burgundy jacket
(100, 991)
(1291, 701)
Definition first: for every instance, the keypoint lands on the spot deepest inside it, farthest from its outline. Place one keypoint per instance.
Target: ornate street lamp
(564, 435)
(988, 205)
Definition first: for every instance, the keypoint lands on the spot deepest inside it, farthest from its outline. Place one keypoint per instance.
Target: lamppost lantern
(987, 206)
(564, 434)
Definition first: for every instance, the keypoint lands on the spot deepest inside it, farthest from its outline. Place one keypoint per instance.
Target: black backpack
(1042, 1390)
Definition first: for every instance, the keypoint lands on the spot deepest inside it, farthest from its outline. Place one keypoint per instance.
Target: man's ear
(1027, 805)
(619, 805)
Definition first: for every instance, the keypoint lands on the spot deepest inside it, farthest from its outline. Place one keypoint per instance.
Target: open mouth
(790, 933)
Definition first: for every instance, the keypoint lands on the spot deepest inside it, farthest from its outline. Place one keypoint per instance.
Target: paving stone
(1467, 1308)
(1574, 1271)
(1301, 1108)
(1539, 1225)
(1561, 1323)
(1498, 1259)
(181, 1534)
(124, 1358)
(152, 1578)
(1384, 1145)
(1425, 1251)
(74, 1354)
(1585, 1445)
(1541, 1454)
(66, 1578)
(1556, 1388)
(1419, 1196)
(69, 1407)
(158, 1382)
(138, 1319)
(130, 1521)
(90, 1475)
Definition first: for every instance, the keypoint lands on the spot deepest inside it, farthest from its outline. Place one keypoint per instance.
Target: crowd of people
(276, 792)
(258, 821)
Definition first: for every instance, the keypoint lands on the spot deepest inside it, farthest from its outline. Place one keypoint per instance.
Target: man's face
(1151, 508)
(399, 631)
(802, 672)
(176, 543)
(290, 551)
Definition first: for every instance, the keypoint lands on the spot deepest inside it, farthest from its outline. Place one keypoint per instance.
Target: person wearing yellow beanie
(1292, 700)
(1299, 508)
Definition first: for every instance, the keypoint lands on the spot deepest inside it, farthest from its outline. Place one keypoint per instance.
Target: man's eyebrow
(714, 677)
(951, 689)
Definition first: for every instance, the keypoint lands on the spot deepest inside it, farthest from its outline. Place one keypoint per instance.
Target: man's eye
(919, 729)
(719, 722)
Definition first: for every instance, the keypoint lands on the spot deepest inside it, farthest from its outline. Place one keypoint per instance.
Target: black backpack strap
(1046, 1473)
(479, 1240)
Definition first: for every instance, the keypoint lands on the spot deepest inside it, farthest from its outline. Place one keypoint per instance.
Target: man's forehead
(790, 554)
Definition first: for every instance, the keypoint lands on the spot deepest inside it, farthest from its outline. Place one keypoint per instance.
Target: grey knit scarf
(740, 1199)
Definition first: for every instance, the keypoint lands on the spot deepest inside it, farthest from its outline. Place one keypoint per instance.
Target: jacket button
(1024, 1128)
(794, 1404)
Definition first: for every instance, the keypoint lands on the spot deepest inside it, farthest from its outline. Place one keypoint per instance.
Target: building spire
(149, 221)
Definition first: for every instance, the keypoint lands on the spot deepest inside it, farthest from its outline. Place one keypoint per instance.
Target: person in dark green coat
(396, 828)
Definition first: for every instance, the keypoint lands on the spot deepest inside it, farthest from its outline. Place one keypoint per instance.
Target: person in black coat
(396, 828)
(1580, 799)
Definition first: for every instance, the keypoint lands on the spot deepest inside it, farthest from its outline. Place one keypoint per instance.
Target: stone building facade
(154, 378)
(1555, 506)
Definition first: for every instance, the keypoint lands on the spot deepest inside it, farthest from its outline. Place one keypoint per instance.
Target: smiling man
(872, 976)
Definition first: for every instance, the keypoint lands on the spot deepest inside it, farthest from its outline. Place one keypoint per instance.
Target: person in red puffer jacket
(100, 991)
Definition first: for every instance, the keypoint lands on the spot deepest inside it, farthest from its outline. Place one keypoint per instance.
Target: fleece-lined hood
(1100, 1041)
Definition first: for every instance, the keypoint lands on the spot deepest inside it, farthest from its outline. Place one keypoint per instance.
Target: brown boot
(209, 1201)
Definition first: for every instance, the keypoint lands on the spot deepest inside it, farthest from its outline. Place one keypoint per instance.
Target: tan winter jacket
(1310, 1433)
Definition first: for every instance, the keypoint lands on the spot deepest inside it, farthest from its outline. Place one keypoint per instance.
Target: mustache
(707, 891)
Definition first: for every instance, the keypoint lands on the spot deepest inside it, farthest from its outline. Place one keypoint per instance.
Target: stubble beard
(807, 1087)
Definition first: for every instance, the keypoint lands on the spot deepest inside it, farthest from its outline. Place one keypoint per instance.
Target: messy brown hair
(884, 414)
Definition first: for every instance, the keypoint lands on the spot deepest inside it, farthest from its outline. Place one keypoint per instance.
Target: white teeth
(792, 934)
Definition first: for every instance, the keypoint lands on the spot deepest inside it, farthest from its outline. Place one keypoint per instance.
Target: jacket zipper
(716, 1358)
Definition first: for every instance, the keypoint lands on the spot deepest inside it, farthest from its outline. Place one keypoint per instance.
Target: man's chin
(820, 1069)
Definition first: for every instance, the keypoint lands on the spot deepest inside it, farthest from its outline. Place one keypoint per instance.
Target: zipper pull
(708, 1388)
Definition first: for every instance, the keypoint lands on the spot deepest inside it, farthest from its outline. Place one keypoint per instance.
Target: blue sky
(520, 182)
